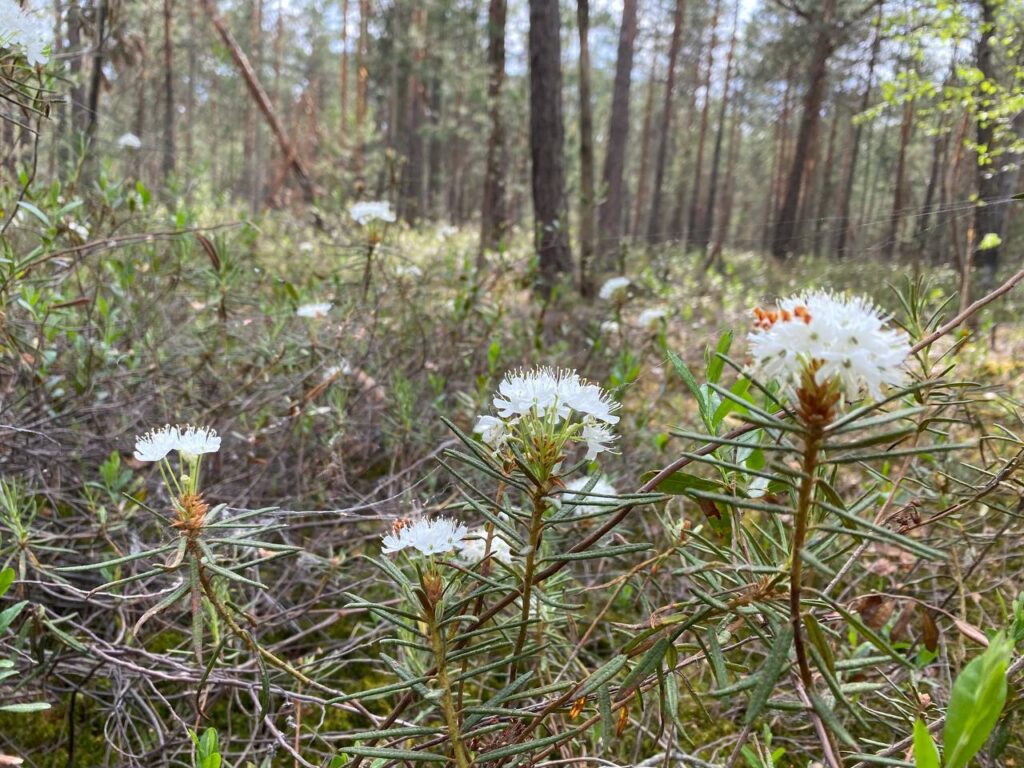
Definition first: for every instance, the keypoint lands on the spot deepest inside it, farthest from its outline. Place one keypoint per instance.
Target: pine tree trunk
(827, 185)
(494, 210)
(610, 211)
(640, 195)
(343, 77)
(783, 243)
(846, 199)
(707, 212)
(262, 100)
(169, 112)
(654, 226)
(892, 234)
(587, 222)
(362, 61)
(725, 217)
(547, 140)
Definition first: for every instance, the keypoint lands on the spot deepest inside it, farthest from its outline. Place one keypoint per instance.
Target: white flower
(129, 141)
(25, 28)
(844, 335)
(593, 501)
(408, 270)
(79, 229)
(609, 328)
(157, 443)
(542, 389)
(186, 439)
(447, 231)
(597, 437)
(613, 288)
(365, 212)
(431, 537)
(306, 247)
(473, 548)
(344, 368)
(650, 319)
(195, 441)
(492, 431)
(316, 311)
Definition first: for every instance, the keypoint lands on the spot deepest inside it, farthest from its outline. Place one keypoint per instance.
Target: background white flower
(27, 29)
(492, 431)
(365, 212)
(429, 536)
(473, 548)
(650, 319)
(846, 336)
(316, 311)
(129, 141)
(195, 441)
(591, 502)
(613, 288)
(157, 443)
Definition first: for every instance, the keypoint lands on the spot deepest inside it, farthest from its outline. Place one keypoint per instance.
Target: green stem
(447, 700)
(536, 526)
(812, 444)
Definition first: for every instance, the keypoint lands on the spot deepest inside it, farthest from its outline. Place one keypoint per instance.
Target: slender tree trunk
(778, 161)
(190, 94)
(587, 221)
(413, 176)
(725, 217)
(362, 75)
(611, 208)
(827, 184)
(892, 233)
(551, 225)
(707, 213)
(989, 217)
(785, 224)
(923, 224)
(262, 100)
(654, 226)
(96, 76)
(846, 198)
(169, 111)
(343, 77)
(640, 196)
(494, 211)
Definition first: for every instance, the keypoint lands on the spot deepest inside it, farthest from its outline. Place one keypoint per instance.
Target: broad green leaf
(976, 702)
(926, 754)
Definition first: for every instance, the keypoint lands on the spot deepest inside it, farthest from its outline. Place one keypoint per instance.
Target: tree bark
(846, 199)
(343, 76)
(640, 194)
(892, 233)
(783, 243)
(494, 210)
(827, 185)
(654, 226)
(262, 100)
(610, 210)
(362, 75)
(168, 154)
(707, 212)
(587, 222)
(547, 139)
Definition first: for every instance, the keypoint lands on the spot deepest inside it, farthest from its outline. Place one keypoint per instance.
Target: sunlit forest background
(330, 230)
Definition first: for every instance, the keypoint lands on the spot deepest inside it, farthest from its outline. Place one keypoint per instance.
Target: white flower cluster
(590, 502)
(314, 311)
(844, 336)
(430, 536)
(187, 440)
(555, 395)
(129, 141)
(474, 548)
(650, 319)
(614, 288)
(365, 212)
(25, 29)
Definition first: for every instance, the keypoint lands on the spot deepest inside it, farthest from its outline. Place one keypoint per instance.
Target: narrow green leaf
(769, 674)
(926, 754)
